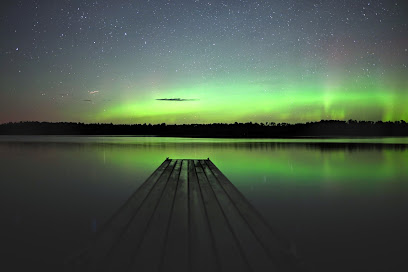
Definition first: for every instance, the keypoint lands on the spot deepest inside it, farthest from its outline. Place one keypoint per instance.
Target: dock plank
(201, 241)
(188, 216)
(227, 247)
(112, 230)
(276, 247)
(150, 252)
(123, 252)
(252, 249)
(176, 254)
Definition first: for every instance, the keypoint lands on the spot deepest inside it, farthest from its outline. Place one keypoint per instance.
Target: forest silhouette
(324, 128)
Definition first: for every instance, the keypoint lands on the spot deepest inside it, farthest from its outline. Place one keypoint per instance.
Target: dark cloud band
(176, 99)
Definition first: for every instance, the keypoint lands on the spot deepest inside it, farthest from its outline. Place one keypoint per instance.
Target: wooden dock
(187, 216)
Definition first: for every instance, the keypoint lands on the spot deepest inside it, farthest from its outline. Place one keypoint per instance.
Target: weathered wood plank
(188, 216)
(149, 255)
(227, 247)
(124, 250)
(201, 242)
(252, 249)
(176, 254)
(276, 248)
(111, 231)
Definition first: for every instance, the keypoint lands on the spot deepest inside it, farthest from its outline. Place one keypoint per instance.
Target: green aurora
(238, 61)
(262, 102)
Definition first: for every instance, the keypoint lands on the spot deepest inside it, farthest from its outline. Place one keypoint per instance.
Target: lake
(343, 202)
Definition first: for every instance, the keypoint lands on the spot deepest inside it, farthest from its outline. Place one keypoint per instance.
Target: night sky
(186, 61)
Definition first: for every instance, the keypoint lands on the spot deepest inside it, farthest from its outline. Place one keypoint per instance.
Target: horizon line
(218, 123)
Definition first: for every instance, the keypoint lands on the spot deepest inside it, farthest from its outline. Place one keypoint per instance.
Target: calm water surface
(343, 202)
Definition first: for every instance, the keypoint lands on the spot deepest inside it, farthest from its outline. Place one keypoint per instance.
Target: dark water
(343, 202)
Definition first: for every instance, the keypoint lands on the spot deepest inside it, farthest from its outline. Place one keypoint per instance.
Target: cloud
(175, 99)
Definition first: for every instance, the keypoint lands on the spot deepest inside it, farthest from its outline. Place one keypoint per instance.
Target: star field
(203, 61)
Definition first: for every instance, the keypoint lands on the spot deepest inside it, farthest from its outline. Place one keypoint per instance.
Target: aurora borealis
(196, 61)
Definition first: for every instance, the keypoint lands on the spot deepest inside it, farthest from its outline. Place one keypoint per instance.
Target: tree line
(323, 128)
